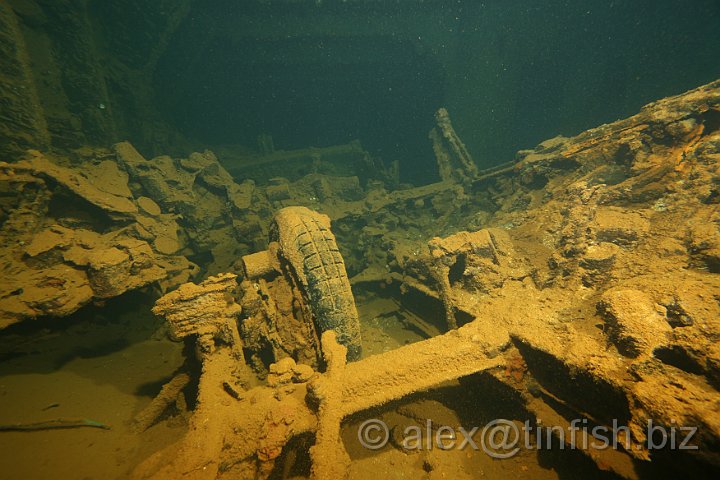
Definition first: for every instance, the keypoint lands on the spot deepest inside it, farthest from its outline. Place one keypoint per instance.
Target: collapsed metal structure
(581, 279)
(599, 204)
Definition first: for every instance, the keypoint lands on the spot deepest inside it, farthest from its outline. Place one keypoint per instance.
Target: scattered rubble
(636, 325)
(582, 279)
(606, 302)
(75, 237)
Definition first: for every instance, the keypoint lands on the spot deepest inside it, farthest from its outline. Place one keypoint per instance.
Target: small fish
(52, 405)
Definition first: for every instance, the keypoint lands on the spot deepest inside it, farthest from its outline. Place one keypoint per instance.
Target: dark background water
(512, 73)
(179, 75)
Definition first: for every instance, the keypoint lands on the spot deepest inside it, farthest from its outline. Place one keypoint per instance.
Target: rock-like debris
(582, 279)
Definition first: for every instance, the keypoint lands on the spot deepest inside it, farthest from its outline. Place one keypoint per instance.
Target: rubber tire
(309, 247)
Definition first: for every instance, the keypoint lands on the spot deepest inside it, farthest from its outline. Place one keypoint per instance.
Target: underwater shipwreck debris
(297, 289)
(342, 390)
(582, 281)
(453, 159)
(305, 242)
(326, 248)
(208, 312)
(96, 247)
(58, 423)
(169, 395)
(339, 160)
(136, 223)
(204, 309)
(120, 223)
(549, 304)
(480, 261)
